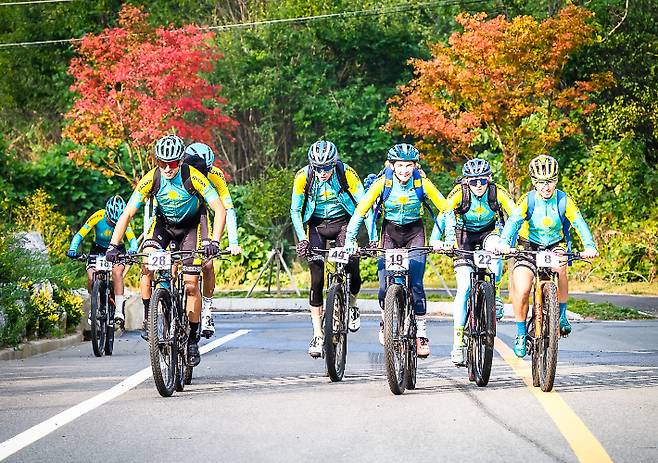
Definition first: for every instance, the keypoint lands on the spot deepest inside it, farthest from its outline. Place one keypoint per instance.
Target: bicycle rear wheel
(395, 346)
(532, 345)
(97, 318)
(412, 356)
(482, 327)
(335, 332)
(162, 342)
(550, 337)
(109, 337)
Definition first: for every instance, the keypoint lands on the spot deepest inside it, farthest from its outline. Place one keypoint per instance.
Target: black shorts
(183, 236)
(470, 241)
(402, 236)
(528, 260)
(97, 250)
(322, 230)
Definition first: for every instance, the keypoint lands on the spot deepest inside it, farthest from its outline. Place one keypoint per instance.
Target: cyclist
(103, 222)
(541, 221)
(178, 190)
(324, 196)
(216, 177)
(402, 191)
(478, 204)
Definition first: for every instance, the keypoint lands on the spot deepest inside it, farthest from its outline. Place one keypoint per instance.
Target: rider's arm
(356, 188)
(217, 179)
(575, 217)
(132, 239)
(444, 208)
(297, 202)
(201, 184)
(505, 201)
(363, 209)
(134, 203)
(89, 224)
(515, 220)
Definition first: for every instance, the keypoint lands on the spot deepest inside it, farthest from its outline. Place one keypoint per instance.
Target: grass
(605, 311)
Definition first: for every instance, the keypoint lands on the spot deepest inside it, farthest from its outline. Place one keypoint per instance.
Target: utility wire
(371, 12)
(33, 2)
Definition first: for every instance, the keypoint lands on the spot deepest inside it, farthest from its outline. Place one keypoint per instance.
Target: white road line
(28, 437)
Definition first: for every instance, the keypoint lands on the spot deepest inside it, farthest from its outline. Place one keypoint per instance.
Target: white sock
(352, 300)
(421, 327)
(458, 337)
(119, 301)
(317, 324)
(207, 303)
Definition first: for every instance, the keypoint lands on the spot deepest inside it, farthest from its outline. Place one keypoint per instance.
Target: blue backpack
(561, 210)
(387, 172)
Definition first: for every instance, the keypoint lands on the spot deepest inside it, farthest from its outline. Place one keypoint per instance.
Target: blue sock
(520, 329)
(563, 309)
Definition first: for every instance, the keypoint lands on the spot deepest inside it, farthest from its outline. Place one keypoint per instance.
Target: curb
(39, 347)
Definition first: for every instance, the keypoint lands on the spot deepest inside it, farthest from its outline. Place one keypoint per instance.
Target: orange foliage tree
(136, 83)
(503, 78)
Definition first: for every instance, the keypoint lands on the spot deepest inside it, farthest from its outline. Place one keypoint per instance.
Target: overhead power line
(33, 2)
(303, 19)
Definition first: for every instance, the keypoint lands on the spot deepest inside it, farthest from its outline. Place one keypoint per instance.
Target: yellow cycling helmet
(543, 167)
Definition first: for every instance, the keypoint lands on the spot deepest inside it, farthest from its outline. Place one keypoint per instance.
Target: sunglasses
(328, 168)
(171, 164)
(478, 181)
(545, 183)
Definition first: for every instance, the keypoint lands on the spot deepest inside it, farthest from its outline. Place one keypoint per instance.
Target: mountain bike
(400, 355)
(336, 313)
(480, 329)
(101, 311)
(543, 325)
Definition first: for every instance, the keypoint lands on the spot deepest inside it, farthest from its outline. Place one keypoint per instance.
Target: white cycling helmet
(322, 153)
(203, 151)
(169, 148)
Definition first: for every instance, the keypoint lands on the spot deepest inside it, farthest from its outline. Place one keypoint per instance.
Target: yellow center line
(584, 444)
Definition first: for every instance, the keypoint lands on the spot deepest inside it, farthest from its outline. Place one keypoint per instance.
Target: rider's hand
(210, 248)
(235, 249)
(350, 247)
(438, 245)
(503, 248)
(72, 253)
(303, 248)
(112, 253)
(589, 253)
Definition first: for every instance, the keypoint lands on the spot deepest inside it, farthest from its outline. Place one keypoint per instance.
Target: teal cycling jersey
(175, 203)
(325, 200)
(402, 206)
(479, 215)
(102, 230)
(544, 228)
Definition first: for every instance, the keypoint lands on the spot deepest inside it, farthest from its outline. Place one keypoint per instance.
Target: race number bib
(160, 260)
(547, 259)
(338, 255)
(397, 260)
(103, 265)
(484, 259)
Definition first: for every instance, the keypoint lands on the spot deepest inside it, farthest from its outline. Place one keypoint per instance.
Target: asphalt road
(259, 397)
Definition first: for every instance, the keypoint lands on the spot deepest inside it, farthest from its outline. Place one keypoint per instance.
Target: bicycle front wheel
(162, 342)
(335, 332)
(482, 331)
(98, 317)
(550, 335)
(395, 346)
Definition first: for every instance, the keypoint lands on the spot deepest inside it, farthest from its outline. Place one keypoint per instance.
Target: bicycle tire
(550, 336)
(109, 336)
(484, 318)
(98, 330)
(335, 342)
(162, 342)
(394, 345)
(534, 356)
(412, 357)
(183, 333)
(188, 375)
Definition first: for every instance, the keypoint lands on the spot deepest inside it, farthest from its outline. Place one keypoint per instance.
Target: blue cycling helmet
(169, 148)
(476, 168)
(403, 152)
(322, 153)
(203, 151)
(114, 207)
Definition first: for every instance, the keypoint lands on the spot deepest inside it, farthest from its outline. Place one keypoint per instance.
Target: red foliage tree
(136, 83)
